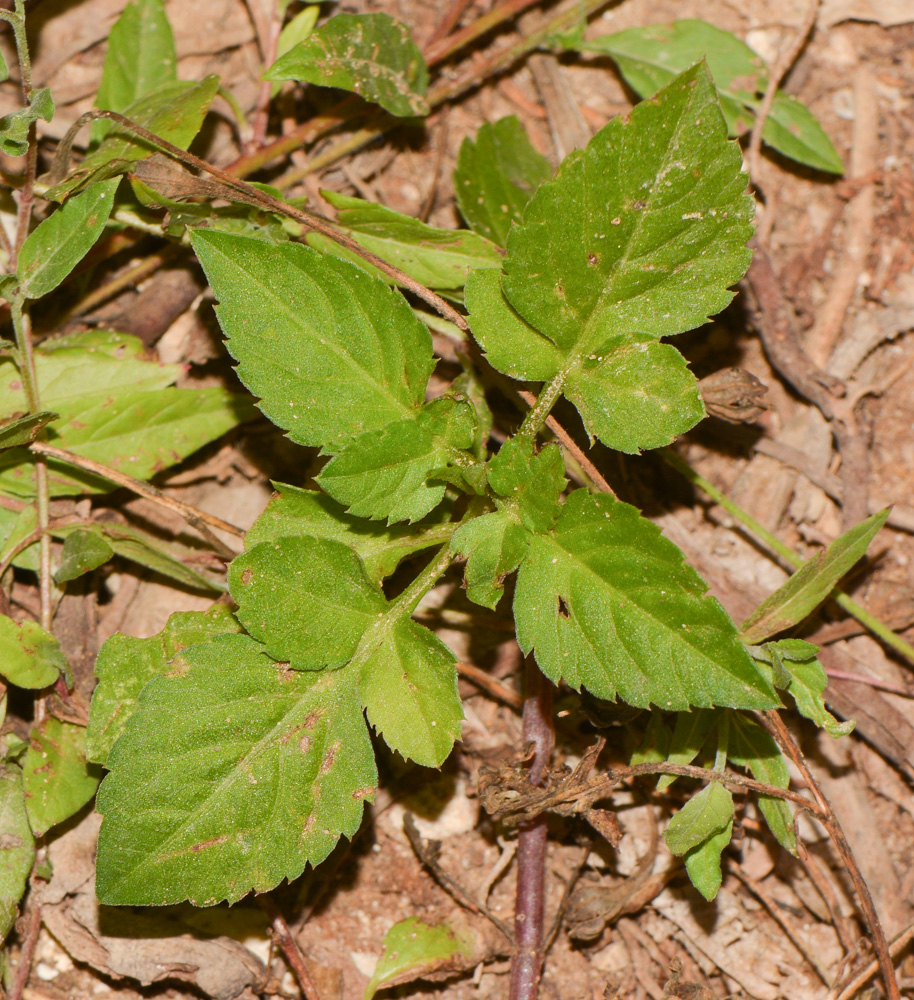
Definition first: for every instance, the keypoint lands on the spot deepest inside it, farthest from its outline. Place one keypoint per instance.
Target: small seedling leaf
(125, 664)
(529, 485)
(702, 863)
(806, 589)
(14, 127)
(59, 243)
(331, 351)
(708, 812)
(371, 55)
(796, 660)
(229, 734)
(17, 845)
(496, 176)
(413, 949)
(793, 130)
(141, 57)
(493, 546)
(23, 431)
(752, 748)
(293, 511)
(385, 473)
(57, 778)
(83, 551)
(609, 604)
(437, 258)
(29, 656)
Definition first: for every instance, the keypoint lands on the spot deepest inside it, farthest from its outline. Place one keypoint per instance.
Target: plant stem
(538, 729)
(289, 947)
(536, 416)
(863, 616)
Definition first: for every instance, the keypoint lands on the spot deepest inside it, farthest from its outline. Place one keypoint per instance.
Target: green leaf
(382, 474)
(370, 54)
(82, 552)
(296, 30)
(138, 433)
(793, 130)
(4, 76)
(437, 258)
(14, 127)
(809, 586)
(141, 57)
(494, 546)
(408, 685)
(637, 237)
(655, 746)
(233, 773)
(413, 950)
(14, 527)
(293, 511)
(57, 778)
(752, 748)
(146, 550)
(23, 431)
(689, 735)
(85, 364)
(59, 243)
(796, 660)
(331, 351)
(306, 599)
(496, 176)
(17, 846)
(703, 862)
(511, 344)
(125, 664)
(529, 485)
(174, 112)
(29, 656)
(708, 812)
(609, 604)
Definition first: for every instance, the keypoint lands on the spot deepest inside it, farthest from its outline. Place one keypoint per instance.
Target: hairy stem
(539, 412)
(538, 729)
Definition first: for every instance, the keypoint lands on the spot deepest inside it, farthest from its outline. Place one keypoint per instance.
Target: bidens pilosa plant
(238, 741)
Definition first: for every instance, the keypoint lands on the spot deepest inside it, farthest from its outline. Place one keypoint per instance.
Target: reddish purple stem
(538, 729)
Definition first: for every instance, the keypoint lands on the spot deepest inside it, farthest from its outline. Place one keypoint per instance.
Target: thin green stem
(537, 415)
(723, 742)
(409, 600)
(863, 616)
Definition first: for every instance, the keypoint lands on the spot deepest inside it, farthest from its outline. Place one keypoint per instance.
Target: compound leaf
(29, 656)
(59, 243)
(437, 258)
(17, 845)
(638, 236)
(230, 780)
(330, 350)
(293, 511)
(141, 57)
(806, 589)
(125, 664)
(413, 950)
(408, 685)
(57, 778)
(608, 603)
(306, 599)
(384, 473)
(371, 55)
(496, 176)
